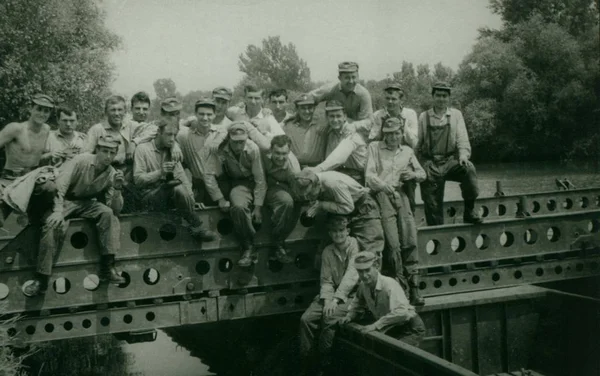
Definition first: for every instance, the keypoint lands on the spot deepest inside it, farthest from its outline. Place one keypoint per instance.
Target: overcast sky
(197, 42)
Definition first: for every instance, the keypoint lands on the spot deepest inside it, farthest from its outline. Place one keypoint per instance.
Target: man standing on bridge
(338, 279)
(85, 189)
(382, 304)
(444, 150)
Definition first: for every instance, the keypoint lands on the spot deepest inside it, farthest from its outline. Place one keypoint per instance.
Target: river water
(229, 348)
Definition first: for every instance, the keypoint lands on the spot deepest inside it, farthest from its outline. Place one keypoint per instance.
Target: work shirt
(387, 303)
(127, 135)
(338, 275)
(280, 175)
(357, 103)
(345, 149)
(445, 142)
(246, 166)
(147, 168)
(194, 146)
(308, 142)
(339, 192)
(223, 125)
(384, 165)
(411, 125)
(58, 142)
(77, 180)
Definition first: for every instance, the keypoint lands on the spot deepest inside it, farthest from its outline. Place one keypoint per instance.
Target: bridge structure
(173, 280)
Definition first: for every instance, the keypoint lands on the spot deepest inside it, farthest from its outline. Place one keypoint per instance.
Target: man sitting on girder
(85, 189)
(381, 305)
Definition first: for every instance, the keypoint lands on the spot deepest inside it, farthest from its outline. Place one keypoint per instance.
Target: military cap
(391, 125)
(333, 106)
(222, 92)
(238, 131)
(337, 222)
(43, 100)
(304, 99)
(170, 104)
(364, 260)
(108, 141)
(440, 85)
(347, 66)
(393, 86)
(305, 177)
(205, 102)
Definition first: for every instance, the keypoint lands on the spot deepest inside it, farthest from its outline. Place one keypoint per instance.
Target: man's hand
(199, 206)
(176, 155)
(119, 180)
(465, 162)
(257, 215)
(368, 328)
(224, 205)
(330, 307)
(59, 154)
(407, 175)
(313, 210)
(55, 220)
(388, 189)
(345, 320)
(167, 167)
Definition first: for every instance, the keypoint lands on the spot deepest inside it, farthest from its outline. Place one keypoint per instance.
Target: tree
(164, 88)
(275, 65)
(59, 47)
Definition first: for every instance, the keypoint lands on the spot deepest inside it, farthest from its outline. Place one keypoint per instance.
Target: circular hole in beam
(501, 210)
(422, 285)
(127, 280)
(61, 285)
(225, 265)
(536, 207)
(553, 234)
(518, 274)
(567, 203)
(68, 325)
(138, 235)
(539, 272)
(482, 241)
(86, 323)
(306, 221)
(225, 226)
(584, 202)
(530, 236)
(30, 330)
(167, 232)
(458, 244)
(202, 267)
(558, 269)
(437, 283)
(150, 316)
(452, 282)
(507, 239)
(91, 282)
(432, 247)
(551, 205)
(275, 266)
(127, 319)
(451, 211)
(475, 279)
(105, 321)
(495, 277)
(49, 328)
(151, 276)
(593, 226)
(79, 240)
(484, 211)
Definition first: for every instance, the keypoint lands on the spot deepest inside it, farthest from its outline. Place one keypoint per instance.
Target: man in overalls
(444, 151)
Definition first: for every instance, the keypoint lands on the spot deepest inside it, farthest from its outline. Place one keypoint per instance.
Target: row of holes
(517, 275)
(551, 205)
(506, 239)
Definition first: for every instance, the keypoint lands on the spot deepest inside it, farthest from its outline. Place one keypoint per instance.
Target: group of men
(359, 168)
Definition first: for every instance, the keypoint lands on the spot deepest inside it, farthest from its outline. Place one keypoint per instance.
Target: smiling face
(279, 154)
(393, 101)
(306, 112)
(115, 112)
(393, 139)
(205, 116)
(336, 119)
(348, 80)
(339, 235)
(139, 111)
(40, 114)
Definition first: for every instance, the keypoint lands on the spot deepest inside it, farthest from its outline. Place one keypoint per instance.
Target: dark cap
(440, 85)
(364, 260)
(170, 104)
(222, 92)
(391, 125)
(337, 222)
(43, 100)
(393, 86)
(304, 99)
(108, 141)
(238, 131)
(205, 102)
(348, 66)
(333, 106)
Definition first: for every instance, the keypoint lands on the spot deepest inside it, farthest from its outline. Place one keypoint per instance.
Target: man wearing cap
(278, 100)
(85, 189)
(390, 165)
(163, 182)
(222, 97)
(194, 142)
(381, 302)
(338, 279)
(309, 139)
(238, 163)
(353, 96)
(65, 142)
(444, 151)
(280, 168)
(346, 150)
(337, 193)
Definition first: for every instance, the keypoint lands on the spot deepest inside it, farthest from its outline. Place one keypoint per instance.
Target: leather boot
(470, 215)
(38, 286)
(108, 273)
(414, 296)
(202, 234)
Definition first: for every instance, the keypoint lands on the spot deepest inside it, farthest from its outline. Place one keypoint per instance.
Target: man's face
(105, 155)
(368, 276)
(254, 100)
(441, 99)
(221, 106)
(67, 124)
(115, 113)
(237, 146)
(393, 138)
(167, 136)
(139, 110)
(306, 112)
(40, 114)
(205, 116)
(278, 104)
(336, 119)
(279, 154)
(338, 235)
(348, 80)
(393, 100)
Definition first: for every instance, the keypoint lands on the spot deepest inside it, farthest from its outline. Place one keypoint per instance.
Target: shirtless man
(24, 143)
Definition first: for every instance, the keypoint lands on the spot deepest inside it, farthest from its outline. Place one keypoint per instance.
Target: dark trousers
(201, 194)
(284, 212)
(432, 189)
(411, 332)
(165, 197)
(241, 198)
(365, 225)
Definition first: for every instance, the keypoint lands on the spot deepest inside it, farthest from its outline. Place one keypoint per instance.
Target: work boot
(38, 286)
(415, 297)
(282, 255)
(108, 273)
(470, 215)
(202, 233)
(249, 257)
